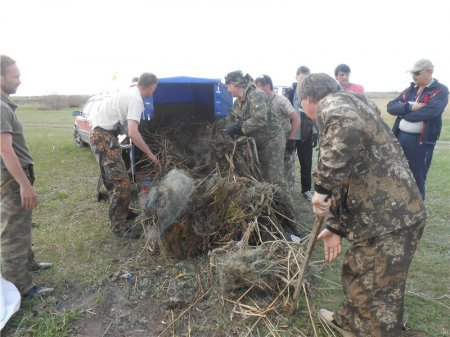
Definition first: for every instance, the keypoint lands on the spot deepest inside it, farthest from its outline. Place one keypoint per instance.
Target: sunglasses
(417, 73)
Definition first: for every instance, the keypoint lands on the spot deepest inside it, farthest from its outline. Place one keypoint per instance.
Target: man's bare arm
(27, 193)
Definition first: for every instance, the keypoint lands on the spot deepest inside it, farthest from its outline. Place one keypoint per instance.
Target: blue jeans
(419, 157)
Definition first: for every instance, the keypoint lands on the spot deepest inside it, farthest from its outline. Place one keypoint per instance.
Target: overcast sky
(78, 47)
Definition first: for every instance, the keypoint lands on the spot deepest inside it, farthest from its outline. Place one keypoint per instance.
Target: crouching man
(122, 111)
(363, 176)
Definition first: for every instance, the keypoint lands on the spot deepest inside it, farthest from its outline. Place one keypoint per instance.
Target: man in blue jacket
(418, 125)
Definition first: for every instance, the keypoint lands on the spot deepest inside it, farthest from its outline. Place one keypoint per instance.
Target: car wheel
(77, 138)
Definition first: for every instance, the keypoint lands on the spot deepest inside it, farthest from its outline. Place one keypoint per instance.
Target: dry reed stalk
(184, 311)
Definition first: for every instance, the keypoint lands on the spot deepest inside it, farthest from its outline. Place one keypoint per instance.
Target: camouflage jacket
(260, 122)
(283, 109)
(362, 163)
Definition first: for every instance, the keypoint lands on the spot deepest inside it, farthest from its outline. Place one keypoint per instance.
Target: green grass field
(71, 231)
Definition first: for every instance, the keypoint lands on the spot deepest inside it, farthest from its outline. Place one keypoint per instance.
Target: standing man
(363, 174)
(418, 125)
(290, 122)
(252, 116)
(18, 196)
(121, 113)
(306, 137)
(342, 75)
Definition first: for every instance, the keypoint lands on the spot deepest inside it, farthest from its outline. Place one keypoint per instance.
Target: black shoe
(102, 196)
(132, 233)
(36, 291)
(41, 266)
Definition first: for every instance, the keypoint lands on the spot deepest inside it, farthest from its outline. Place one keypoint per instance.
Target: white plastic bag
(9, 301)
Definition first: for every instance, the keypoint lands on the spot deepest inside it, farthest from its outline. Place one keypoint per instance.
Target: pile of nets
(208, 191)
(209, 198)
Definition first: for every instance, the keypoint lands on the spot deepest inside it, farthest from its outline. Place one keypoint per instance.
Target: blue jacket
(436, 98)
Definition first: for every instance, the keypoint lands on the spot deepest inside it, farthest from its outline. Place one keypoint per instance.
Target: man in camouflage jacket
(252, 116)
(290, 122)
(364, 177)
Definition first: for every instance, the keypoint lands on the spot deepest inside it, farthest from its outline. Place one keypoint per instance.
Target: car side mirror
(77, 113)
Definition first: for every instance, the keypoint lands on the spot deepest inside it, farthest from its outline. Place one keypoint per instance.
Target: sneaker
(327, 317)
(36, 291)
(41, 266)
(307, 195)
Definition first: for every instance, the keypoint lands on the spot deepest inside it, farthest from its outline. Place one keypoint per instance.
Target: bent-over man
(363, 172)
(118, 114)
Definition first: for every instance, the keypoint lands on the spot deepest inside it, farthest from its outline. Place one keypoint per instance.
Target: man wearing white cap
(418, 125)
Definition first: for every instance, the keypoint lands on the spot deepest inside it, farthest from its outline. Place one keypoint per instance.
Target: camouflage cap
(421, 64)
(237, 77)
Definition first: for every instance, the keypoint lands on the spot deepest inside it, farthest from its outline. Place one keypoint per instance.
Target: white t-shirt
(121, 106)
(411, 127)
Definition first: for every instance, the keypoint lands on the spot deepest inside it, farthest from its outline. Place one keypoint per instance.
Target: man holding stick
(363, 178)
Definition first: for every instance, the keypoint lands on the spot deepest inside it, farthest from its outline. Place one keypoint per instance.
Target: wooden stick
(312, 241)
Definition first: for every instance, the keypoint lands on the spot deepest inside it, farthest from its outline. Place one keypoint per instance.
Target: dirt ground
(139, 305)
(133, 301)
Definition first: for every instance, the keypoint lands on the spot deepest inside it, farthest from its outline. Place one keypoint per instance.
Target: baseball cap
(421, 64)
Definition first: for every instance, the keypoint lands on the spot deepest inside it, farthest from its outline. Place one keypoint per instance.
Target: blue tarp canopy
(205, 92)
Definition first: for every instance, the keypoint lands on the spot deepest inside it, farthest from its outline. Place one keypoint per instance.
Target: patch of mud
(119, 314)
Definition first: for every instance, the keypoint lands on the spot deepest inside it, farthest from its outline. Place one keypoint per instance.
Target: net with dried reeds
(229, 193)
(258, 280)
(229, 213)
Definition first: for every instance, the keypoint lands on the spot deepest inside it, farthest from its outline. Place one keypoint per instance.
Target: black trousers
(304, 153)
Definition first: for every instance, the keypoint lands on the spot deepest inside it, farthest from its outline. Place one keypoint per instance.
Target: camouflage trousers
(271, 158)
(107, 149)
(289, 170)
(374, 276)
(15, 232)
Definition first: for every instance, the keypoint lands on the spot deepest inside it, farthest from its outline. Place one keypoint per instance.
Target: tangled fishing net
(209, 190)
(210, 198)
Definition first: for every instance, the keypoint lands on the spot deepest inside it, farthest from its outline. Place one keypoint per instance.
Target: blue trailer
(198, 95)
(177, 103)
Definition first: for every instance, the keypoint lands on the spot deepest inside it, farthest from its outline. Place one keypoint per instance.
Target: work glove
(235, 128)
(314, 139)
(290, 146)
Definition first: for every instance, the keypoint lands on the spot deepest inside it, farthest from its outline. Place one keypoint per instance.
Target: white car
(82, 124)
(281, 89)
